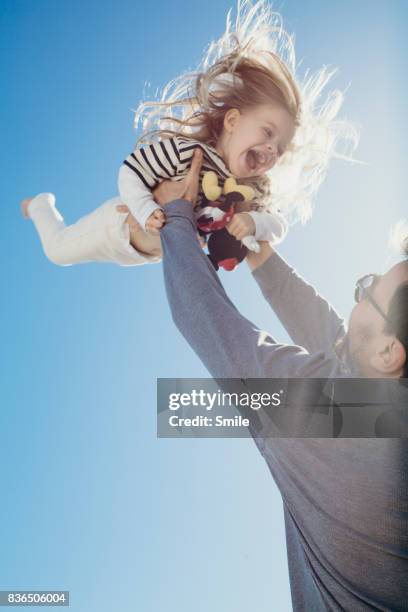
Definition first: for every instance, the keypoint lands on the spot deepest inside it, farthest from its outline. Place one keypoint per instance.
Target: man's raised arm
(308, 318)
(229, 345)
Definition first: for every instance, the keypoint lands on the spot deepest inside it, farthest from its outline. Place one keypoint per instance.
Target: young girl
(252, 121)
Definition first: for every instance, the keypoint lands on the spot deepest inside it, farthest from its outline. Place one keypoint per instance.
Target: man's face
(369, 347)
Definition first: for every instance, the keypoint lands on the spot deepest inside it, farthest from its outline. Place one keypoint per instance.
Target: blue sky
(92, 502)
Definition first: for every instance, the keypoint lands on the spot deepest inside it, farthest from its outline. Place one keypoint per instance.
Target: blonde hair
(252, 63)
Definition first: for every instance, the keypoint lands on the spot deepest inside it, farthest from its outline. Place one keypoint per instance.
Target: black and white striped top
(171, 158)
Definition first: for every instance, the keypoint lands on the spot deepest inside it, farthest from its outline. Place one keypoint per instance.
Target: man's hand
(241, 225)
(255, 260)
(155, 222)
(187, 189)
(144, 243)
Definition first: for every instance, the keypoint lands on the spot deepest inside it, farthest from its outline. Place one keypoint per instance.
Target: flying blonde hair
(254, 62)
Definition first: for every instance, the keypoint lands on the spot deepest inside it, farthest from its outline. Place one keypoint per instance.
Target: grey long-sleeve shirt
(345, 500)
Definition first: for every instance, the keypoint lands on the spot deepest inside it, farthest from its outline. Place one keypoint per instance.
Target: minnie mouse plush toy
(215, 211)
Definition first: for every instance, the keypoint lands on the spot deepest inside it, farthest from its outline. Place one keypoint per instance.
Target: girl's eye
(268, 132)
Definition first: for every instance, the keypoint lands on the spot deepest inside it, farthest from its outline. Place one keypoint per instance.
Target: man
(345, 500)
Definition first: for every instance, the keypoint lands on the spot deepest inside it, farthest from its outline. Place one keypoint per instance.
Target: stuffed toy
(215, 210)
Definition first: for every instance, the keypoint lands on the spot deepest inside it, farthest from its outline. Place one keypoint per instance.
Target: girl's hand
(241, 225)
(155, 222)
(187, 189)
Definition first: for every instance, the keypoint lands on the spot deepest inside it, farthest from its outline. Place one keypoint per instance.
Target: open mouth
(258, 159)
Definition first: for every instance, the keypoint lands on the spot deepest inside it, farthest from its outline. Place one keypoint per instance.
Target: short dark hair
(398, 319)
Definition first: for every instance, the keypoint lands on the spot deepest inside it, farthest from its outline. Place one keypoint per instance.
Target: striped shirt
(171, 158)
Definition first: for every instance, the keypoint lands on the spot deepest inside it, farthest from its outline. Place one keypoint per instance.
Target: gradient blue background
(91, 501)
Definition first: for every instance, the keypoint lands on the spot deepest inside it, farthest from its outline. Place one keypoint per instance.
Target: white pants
(101, 236)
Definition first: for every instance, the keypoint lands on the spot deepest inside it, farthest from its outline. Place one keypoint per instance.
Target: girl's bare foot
(24, 207)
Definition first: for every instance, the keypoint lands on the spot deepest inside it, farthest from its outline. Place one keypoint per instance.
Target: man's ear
(231, 119)
(389, 356)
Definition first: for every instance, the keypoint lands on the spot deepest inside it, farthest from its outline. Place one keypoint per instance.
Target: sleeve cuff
(180, 208)
(269, 226)
(146, 211)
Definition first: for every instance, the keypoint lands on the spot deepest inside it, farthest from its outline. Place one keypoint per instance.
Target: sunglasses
(362, 292)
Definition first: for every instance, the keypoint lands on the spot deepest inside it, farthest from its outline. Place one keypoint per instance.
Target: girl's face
(253, 140)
